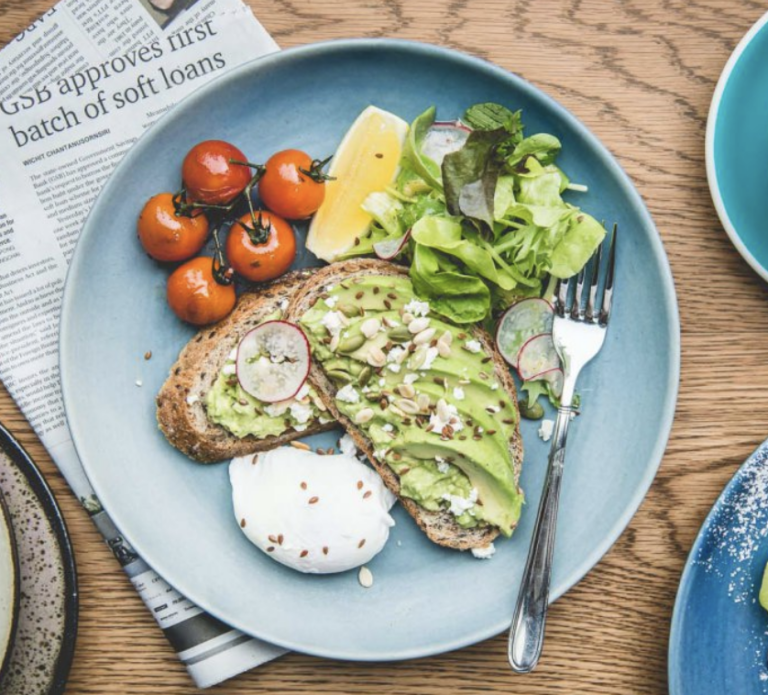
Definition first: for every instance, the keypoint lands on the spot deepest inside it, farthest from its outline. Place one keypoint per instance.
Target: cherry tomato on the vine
(169, 237)
(209, 174)
(195, 296)
(293, 185)
(259, 262)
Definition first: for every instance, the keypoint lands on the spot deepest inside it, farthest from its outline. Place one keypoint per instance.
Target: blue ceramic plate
(737, 147)
(178, 514)
(719, 641)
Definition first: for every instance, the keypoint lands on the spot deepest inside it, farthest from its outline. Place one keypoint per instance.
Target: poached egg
(315, 514)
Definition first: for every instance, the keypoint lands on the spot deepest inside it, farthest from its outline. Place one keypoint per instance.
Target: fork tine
(605, 306)
(577, 312)
(590, 315)
(561, 295)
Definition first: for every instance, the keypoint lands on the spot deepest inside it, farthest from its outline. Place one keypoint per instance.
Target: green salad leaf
(489, 226)
(417, 162)
(470, 175)
(464, 298)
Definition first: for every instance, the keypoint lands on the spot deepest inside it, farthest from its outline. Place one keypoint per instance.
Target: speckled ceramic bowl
(41, 653)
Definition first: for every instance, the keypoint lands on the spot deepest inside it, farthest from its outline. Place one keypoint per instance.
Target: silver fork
(578, 333)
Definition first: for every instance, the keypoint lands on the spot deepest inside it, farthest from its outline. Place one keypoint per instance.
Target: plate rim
(686, 579)
(21, 458)
(639, 209)
(709, 148)
(16, 586)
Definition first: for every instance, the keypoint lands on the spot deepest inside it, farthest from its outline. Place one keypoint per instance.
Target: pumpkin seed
(351, 343)
(399, 334)
(533, 412)
(351, 310)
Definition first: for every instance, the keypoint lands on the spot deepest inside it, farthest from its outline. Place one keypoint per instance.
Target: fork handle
(526, 636)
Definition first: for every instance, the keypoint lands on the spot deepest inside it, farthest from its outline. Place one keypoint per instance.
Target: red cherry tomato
(195, 296)
(293, 185)
(263, 261)
(169, 237)
(210, 175)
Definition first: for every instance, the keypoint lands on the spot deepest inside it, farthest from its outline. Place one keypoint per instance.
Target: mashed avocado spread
(228, 405)
(425, 393)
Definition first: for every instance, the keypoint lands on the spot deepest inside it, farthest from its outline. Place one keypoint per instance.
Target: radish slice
(537, 357)
(273, 361)
(442, 138)
(554, 377)
(389, 248)
(520, 323)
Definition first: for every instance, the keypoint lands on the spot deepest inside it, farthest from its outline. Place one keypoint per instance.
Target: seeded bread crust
(440, 527)
(185, 422)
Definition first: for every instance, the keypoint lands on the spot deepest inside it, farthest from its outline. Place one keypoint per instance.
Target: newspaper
(77, 89)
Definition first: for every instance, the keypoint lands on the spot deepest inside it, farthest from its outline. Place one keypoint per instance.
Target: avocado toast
(204, 412)
(431, 403)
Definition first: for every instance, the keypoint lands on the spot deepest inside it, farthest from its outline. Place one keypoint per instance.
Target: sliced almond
(446, 338)
(418, 325)
(424, 337)
(370, 327)
(423, 401)
(443, 349)
(376, 356)
(406, 390)
(363, 416)
(407, 318)
(407, 406)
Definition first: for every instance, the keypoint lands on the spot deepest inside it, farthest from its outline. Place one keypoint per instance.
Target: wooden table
(640, 74)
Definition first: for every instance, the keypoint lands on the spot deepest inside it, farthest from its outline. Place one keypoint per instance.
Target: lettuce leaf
(470, 175)
(572, 252)
(461, 297)
(419, 163)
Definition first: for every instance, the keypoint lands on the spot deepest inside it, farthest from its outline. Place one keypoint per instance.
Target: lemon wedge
(365, 162)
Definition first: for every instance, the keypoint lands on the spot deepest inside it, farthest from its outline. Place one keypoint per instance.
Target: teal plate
(737, 147)
(719, 637)
(178, 514)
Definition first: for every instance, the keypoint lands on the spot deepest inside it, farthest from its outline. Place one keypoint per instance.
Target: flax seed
(490, 431)
(376, 290)
(359, 295)
(280, 539)
(301, 445)
(359, 484)
(486, 360)
(461, 336)
(304, 553)
(325, 550)
(391, 295)
(148, 355)
(361, 543)
(303, 486)
(388, 304)
(242, 523)
(271, 549)
(314, 500)
(272, 539)
(367, 495)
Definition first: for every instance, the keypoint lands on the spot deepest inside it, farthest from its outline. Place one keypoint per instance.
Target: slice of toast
(440, 527)
(180, 411)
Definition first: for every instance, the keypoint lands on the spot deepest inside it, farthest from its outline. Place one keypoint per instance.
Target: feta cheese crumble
(442, 464)
(473, 346)
(333, 321)
(347, 394)
(347, 445)
(458, 393)
(484, 553)
(432, 353)
(417, 308)
(410, 378)
(546, 428)
(330, 302)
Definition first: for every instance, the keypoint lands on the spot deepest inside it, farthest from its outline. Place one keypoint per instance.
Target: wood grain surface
(640, 74)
